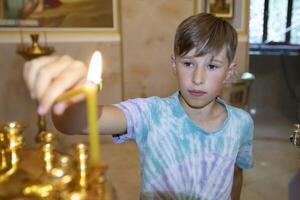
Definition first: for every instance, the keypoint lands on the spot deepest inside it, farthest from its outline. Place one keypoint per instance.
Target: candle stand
(44, 173)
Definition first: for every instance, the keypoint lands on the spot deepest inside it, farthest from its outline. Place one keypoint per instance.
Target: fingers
(67, 79)
(59, 108)
(48, 73)
(31, 69)
(48, 77)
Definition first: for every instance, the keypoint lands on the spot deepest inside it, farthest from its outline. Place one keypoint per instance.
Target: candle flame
(95, 68)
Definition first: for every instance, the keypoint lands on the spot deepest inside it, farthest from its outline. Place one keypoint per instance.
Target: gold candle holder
(29, 52)
(81, 151)
(47, 146)
(13, 132)
(35, 50)
(3, 162)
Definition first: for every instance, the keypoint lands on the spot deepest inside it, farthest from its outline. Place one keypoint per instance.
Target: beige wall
(139, 66)
(148, 32)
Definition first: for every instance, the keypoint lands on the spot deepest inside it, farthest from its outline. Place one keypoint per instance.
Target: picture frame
(221, 8)
(60, 20)
(239, 19)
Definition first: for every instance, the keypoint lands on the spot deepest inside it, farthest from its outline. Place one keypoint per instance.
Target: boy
(191, 143)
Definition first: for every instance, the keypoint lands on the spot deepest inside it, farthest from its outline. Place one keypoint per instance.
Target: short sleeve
(136, 113)
(245, 155)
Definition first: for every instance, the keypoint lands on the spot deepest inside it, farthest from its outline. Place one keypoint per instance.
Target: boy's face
(201, 79)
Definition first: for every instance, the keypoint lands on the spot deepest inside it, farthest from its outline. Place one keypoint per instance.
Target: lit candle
(90, 90)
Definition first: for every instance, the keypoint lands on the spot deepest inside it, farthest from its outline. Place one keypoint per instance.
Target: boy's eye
(212, 66)
(188, 64)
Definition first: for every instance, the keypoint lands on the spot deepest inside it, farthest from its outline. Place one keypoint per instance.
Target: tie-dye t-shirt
(179, 160)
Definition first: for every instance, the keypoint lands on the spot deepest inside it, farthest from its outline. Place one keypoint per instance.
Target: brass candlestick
(90, 181)
(35, 49)
(29, 52)
(3, 161)
(11, 174)
(47, 140)
(12, 131)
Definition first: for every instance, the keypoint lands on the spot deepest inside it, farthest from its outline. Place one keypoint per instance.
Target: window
(274, 23)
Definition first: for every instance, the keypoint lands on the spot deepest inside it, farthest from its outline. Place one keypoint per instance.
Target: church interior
(136, 46)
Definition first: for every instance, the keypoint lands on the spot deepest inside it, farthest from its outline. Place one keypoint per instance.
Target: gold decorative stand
(44, 173)
(35, 49)
(32, 51)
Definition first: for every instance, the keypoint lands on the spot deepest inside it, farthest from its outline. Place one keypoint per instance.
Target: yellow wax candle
(91, 94)
(71, 93)
(90, 90)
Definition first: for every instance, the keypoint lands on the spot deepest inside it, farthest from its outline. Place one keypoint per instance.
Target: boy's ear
(231, 71)
(173, 60)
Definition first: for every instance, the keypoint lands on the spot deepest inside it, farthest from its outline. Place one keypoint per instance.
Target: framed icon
(78, 19)
(221, 8)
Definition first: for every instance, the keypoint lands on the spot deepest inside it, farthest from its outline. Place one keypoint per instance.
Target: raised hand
(48, 77)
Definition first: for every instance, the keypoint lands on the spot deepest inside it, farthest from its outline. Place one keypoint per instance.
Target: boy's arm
(111, 120)
(237, 183)
(49, 76)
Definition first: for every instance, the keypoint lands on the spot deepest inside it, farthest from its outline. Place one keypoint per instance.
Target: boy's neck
(210, 117)
(204, 111)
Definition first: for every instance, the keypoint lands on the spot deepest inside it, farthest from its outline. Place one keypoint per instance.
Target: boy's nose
(198, 76)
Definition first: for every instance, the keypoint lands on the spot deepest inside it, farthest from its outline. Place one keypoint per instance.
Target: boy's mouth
(196, 93)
